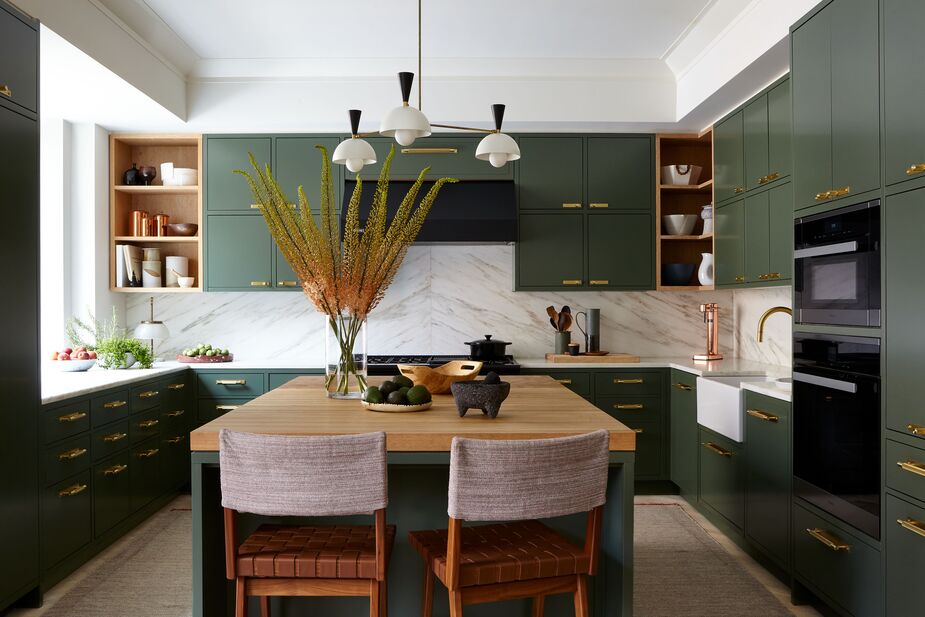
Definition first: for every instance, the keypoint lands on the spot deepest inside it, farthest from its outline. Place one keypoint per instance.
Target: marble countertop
(769, 388)
(58, 386)
(716, 368)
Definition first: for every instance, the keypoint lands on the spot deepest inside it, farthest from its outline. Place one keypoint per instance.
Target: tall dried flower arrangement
(344, 276)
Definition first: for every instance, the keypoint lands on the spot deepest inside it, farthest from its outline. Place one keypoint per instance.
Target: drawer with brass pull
(19, 50)
(216, 383)
(209, 409)
(109, 407)
(112, 501)
(65, 421)
(67, 517)
(144, 397)
(905, 556)
(649, 447)
(175, 420)
(628, 382)
(632, 408)
(905, 469)
(143, 426)
(66, 458)
(578, 382)
(109, 439)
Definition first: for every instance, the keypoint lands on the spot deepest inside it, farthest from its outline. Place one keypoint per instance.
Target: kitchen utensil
(480, 395)
(677, 273)
(679, 224)
(130, 176)
(159, 221)
(438, 380)
(147, 174)
(566, 309)
(555, 325)
(562, 340)
(681, 174)
(565, 321)
(553, 317)
(185, 281)
(74, 366)
(598, 357)
(486, 349)
(181, 229)
(390, 408)
(592, 329)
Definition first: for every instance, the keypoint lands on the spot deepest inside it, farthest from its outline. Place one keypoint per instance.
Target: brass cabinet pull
(773, 276)
(176, 386)
(149, 394)
(912, 467)
(910, 524)
(430, 150)
(628, 406)
(73, 417)
(176, 439)
(5, 90)
(739, 189)
(114, 470)
(175, 414)
(565, 382)
(225, 407)
(287, 283)
(599, 282)
(74, 489)
(762, 277)
(598, 205)
(915, 169)
(762, 415)
(148, 453)
(763, 180)
(823, 196)
(740, 278)
(72, 454)
(840, 192)
(623, 382)
(916, 429)
(115, 437)
(828, 539)
(571, 205)
(148, 423)
(114, 404)
(260, 283)
(571, 282)
(771, 177)
(638, 430)
(259, 206)
(682, 386)
(230, 382)
(715, 448)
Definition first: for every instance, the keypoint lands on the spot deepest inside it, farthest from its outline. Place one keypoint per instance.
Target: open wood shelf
(145, 239)
(156, 290)
(685, 288)
(703, 186)
(703, 237)
(158, 189)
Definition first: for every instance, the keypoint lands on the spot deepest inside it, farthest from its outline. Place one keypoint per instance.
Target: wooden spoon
(565, 321)
(553, 317)
(555, 324)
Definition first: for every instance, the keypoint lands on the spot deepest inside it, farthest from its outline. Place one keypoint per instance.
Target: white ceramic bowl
(74, 366)
(183, 176)
(186, 281)
(679, 224)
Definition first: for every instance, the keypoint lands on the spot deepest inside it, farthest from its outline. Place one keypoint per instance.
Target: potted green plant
(114, 348)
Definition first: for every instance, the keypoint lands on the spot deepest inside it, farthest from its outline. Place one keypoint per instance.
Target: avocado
(404, 391)
(397, 398)
(388, 387)
(492, 378)
(418, 395)
(403, 382)
(373, 395)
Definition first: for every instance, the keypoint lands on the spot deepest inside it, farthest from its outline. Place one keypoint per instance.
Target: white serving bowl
(679, 224)
(183, 176)
(186, 281)
(74, 366)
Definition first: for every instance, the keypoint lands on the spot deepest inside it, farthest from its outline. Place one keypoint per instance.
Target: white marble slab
(769, 388)
(716, 368)
(58, 386)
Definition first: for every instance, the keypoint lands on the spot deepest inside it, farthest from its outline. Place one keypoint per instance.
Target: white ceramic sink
(721, 405)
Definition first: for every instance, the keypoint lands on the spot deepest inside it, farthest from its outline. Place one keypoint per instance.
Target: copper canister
(160, 221)
(139, 224)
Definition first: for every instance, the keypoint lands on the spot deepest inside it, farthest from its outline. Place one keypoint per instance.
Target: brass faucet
(768, 313)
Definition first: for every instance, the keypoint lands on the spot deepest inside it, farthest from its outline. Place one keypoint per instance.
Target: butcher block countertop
(538, 407)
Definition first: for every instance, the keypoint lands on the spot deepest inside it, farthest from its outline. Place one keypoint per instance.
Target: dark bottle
(146, 175)
(130, 177)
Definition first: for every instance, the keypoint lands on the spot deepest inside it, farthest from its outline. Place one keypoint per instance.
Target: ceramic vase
(705, 272)
(345, 356)
(562, 341)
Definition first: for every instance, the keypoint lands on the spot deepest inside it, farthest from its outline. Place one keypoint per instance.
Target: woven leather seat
(312, 551)
(504, 552)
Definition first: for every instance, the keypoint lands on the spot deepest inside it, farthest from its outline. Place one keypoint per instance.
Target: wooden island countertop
(538, 407)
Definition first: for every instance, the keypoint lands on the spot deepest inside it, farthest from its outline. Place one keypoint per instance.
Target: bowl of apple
(74, 360)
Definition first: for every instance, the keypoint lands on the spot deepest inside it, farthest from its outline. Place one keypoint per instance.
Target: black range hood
(471, 211)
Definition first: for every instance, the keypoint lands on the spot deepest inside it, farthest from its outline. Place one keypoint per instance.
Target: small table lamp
(151, 329)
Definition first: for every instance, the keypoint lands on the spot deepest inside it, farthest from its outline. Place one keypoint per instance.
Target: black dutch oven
(486, 349)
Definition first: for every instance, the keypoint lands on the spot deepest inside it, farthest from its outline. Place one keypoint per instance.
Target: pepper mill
(711, 318)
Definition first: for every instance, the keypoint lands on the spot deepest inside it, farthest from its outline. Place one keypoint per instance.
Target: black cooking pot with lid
(486, 349)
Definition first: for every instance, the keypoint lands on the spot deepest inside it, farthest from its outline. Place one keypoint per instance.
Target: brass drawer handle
(598, 205)
(5, 90)
(915, 169)
(762, 277)
(571, 206)
(149, 394)
(73, 417)
(176, 439)
(175, 414)
(739, 189)
(628, 406)
(823, 196)
(761, 415)
(912, 467)
(773, 276)
(565, 382)
(115, 437)
(828, 539)
(148, 453)
(72, 454)
(114, 470)
(571, 282)
(72, 490)
(230, 382)
(682, 386)
(771, 177)
(114, 404)
(840, 192)
(763, 180)
(638, 430)
(176, 386)
(226, 407)
(599, 282)
(916, 429)
(259, 206)
(910, 524)
(715, 448)
(740, 278)
(624, 382)
(287, 283)
(148, 423)
(260, 283)
(430, 150)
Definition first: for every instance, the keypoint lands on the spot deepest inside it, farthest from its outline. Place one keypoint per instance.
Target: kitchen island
(418, 445)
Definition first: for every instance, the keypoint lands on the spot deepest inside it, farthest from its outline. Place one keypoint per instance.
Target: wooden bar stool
(276, 475)
(519, 481)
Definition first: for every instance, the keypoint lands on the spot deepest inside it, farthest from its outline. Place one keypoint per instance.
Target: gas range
(386, 365)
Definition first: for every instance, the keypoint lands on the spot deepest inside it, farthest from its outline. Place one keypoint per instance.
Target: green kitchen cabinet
(225, 190)
(767, 129)
(550, 253)
(729, 232)
(620, 173)
(903, 90)
(67, 518)
(768, 476)
(722, 476)
(780, 130)
(551, 173)
(239, 253)
(757, 238)
(19, 50)
(728, 158)
(450, 155)
(620, 251)
(755, 142)
(905, 557)
(769, 235)
(144, 472)
(684, 434)
(296, 162)
(112, 501)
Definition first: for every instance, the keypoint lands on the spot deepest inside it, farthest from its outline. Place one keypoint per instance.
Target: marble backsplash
(445, 295)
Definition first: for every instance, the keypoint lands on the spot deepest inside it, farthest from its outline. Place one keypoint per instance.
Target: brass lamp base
(706, 357)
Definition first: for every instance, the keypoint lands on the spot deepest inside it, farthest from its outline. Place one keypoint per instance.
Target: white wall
(55, 214)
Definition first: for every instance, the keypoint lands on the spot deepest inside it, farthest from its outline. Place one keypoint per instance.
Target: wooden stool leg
(581, 597)
(240, 600)
(374, 598)
(456, 604)
(264, 606)
(428, 608)
(384, 599)
(538, 605)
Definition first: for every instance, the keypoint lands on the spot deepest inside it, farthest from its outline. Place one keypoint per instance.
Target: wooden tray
(390, 408)
(611, 358)
(204, 359)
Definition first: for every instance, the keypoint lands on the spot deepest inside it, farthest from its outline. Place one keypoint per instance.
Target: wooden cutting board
(611, 358)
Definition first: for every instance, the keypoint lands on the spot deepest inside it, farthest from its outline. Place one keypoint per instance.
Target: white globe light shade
(354, 153)
(405, 124)
(497, 149)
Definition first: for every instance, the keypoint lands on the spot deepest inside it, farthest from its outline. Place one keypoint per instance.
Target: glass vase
(345, 356)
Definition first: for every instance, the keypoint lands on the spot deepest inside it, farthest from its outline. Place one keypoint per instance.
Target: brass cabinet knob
(740, 278)
(177, 439)
(148, 453)
(175, 414)
(739, 189)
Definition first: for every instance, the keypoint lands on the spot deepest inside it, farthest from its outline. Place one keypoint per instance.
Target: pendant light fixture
(406, 124)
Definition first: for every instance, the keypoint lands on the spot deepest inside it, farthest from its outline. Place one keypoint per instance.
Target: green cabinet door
(112, 498)
(768, 499)
(905, 557)
(144, 472)
(67, 518)
(780, 229)
(620, 173)
(905, 296)
(298, 163)
(810, 81)
(728, 158)
(755, 130)
(779, 131)
(550, 251)
(722, 477)
(683, 439)
(729, 231)
(855, 95)
(226, 190)
(620, 251)
(551, 173)
(239, 253)
(757, 239)
(903, 89)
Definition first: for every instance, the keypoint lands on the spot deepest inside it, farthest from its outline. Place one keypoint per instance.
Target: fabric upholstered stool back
(512, 480)
(279, 475)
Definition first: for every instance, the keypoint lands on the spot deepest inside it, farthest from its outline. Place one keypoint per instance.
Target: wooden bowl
(438, 380)
(181, 229)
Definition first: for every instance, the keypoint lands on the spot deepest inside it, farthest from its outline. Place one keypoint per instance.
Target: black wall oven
(837, 267)
(836, 426)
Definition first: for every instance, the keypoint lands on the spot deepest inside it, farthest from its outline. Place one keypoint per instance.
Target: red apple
(92, 355)
(67, 350)
(64, 356)
(79, 348)
(54, 355)
(83, 355)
